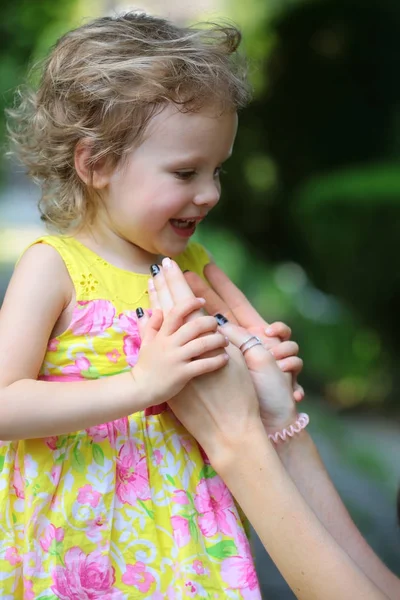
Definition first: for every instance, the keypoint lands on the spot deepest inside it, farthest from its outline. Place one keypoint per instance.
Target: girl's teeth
(181, 224)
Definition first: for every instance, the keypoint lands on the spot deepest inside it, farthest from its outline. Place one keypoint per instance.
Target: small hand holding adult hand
(218, 408)
(166, 361)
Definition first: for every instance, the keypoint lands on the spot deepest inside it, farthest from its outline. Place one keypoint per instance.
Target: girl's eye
(184, 175)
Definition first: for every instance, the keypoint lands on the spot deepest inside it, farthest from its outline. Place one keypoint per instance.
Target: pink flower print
(138, 576)
(181, 531)
(80, 365)
(28, 590)
(51, 442)
(187, 444)
(132, 475)
(190, 589)
(180, 497)
(239, 571)
(52, 536)
(55, 474)
(85, 577)
(113, 356)
(99, 433)
(131, 349)
(52, 346)
(95, 527)
(92, 317)
(214, 504)
(157, 456)
(12, 556)
(127, 321)
(18, 482)
(87, 495)
(198, 567)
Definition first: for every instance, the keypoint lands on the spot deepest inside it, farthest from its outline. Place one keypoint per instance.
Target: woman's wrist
(226, 449)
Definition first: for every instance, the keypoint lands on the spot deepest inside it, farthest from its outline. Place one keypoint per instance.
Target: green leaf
(194, 532)
(170, 479)
(2, 459)
(60, 459)
(90, 373)
(48, 597)
(223, 549)
(77, 460)
(207, 472)
(98, 454)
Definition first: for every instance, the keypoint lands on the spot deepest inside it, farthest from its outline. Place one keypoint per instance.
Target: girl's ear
(97, 176)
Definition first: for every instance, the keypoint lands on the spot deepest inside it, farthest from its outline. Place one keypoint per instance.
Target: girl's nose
(208, 196)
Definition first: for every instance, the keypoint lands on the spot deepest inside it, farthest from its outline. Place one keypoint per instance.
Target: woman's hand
(225, 298)
(274, 390)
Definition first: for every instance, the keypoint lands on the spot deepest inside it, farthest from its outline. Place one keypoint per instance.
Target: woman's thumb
(148, 324)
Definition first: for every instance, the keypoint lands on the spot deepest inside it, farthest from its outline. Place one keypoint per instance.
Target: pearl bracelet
(301, 422)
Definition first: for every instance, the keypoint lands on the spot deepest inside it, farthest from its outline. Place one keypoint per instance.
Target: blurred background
(309, 222)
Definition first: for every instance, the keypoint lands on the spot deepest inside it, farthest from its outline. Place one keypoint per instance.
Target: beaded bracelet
(301, 422)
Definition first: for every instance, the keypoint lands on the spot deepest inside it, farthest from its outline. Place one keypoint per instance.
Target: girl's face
(170, 182)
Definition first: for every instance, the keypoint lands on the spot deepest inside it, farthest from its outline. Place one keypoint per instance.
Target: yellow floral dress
(127, 509)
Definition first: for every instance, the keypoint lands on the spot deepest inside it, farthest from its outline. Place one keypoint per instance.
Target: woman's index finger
(245, 314)
(214, 303)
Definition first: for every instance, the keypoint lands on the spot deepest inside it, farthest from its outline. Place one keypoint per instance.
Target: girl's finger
(177, 316)
(280, 330)
(195, 328)
(177, 284)
(207, 365)
(164, 296)
(284, 350)
(293, 365)
(148, 326)
(153, 297)
(206, 343)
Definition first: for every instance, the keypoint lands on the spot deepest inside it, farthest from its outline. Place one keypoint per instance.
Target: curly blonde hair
(103, 82)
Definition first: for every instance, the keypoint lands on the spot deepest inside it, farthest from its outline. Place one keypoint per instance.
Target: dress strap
(77, 262)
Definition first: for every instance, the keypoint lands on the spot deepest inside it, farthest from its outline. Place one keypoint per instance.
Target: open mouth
(184, 227)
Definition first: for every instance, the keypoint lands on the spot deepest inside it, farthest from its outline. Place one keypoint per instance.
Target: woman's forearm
(310, 560)
(302, 461)
(33, 409)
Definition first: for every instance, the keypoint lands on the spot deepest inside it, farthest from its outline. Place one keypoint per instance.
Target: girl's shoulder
(194, 258)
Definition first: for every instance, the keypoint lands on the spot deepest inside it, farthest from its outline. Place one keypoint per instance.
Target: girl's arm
(39, 291)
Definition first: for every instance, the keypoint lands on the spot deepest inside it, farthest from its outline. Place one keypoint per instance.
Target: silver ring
(250, 343)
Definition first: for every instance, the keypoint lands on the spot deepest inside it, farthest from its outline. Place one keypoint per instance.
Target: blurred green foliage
(314, 182)
(27, 29)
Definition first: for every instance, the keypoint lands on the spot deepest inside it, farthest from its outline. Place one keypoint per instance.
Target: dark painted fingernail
(154, 269)
(140, 312)
(221, 320)
(186, 271)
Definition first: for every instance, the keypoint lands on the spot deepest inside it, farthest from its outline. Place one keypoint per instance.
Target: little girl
(101, 496)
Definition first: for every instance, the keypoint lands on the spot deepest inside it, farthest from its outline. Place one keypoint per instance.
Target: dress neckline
(106, 262)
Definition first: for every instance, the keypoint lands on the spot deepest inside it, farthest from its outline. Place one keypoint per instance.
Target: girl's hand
(222, 296)
(172, 351)
(277, 406)
(218, 408)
